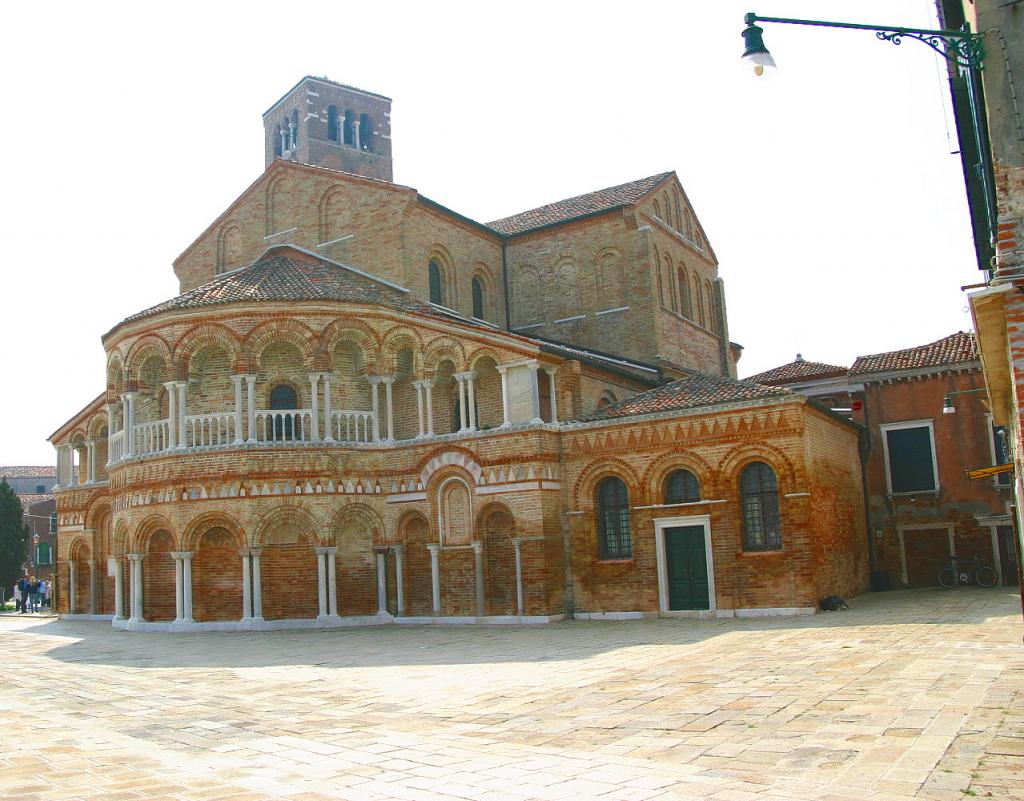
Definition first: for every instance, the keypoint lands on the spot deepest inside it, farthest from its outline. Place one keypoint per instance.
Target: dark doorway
(1008, 560)
(927, 552)
(687, 568)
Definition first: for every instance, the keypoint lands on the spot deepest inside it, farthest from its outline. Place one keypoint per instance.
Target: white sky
(829, 191)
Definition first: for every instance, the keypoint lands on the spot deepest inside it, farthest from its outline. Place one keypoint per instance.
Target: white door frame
(950, 527)
(662, 523)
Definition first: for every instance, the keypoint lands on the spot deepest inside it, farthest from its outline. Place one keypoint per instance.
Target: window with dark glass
(436, 287)
(909, 455)
(762, 528)
(613, 519)
(53, 522)
(40, 488)
(332, 123)
(282, 397)
(478, 298)
(365, 132)
(348, 128)
(682, 486)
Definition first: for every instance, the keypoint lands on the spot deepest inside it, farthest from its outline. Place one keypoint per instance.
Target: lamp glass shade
(754, 51)
(948, 407)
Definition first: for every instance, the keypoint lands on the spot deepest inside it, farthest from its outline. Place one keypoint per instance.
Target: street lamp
(947, 402)
(961, 47)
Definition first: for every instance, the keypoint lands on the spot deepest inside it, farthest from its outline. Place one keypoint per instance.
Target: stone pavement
(909, 695)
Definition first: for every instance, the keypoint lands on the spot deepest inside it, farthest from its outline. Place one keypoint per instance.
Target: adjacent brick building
(926, 425)
(33, 484)
(365, 407)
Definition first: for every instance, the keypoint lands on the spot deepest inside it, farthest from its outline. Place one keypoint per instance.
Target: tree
(14, 537)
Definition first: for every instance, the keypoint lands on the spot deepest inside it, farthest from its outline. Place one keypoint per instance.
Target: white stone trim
(613, 615)
(901, 528)
(662, 523)
(611, 311)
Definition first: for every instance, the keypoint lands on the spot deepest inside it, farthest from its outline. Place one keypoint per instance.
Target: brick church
(364, 407)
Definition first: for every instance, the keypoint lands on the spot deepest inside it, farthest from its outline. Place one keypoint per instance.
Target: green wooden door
(687, 568)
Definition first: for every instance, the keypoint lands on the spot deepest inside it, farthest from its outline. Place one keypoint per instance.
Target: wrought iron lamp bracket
(962, 47)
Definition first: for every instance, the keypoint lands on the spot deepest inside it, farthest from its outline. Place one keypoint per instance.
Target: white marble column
(94, 588)
(332, 581)
(478, 565)
(257, 584)
(90, 461)
(179, 590)
(314, 401)
(250, 394)
(246, 584)
(504, 396)
(136, 588)
(182, 387)
(382, 580)
(471, 399)
(435, 578)
(237, 381)
(463, 415)
(535, 391)
(389, 406)
(128, 399)
(328, 412)
(399, 577)
(554, 394)
(72, 586)
(428, 391)
(186, 581)
(418, 386)
(172, 414)
(321, 582)
(518, 545)
(374, 381)
(111, 417)
(118, 588)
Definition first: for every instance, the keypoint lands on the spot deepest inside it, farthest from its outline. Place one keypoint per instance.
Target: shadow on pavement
(568, 641)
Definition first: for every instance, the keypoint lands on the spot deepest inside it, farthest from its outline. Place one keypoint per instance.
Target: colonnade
(68, 473)
(327, 582)
(520, 403)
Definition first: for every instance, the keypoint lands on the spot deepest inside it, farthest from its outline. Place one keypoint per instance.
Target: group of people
(30, 594)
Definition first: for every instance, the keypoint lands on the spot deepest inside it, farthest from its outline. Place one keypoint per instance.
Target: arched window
(478, 298)
(682, 486)
(282, 397)
(709, 301)
(614, 535)
(332, 123)
(276, 133)
(657, 209)
(295, 129)
(365, 132)
(759, 497)
(684, 293)
(698, 302)
(348, 128)
(436, 284)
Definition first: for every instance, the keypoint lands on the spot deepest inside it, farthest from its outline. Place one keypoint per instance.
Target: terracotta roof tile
(284, 278)
(798, 370)
(694, 391)
(30, 499)
(955, 349)
(29, 471)
(571, 208)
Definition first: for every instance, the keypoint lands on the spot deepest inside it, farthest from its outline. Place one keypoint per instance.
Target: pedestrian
(23, 591)
(33, 593)
(45, 593)
(16, 595)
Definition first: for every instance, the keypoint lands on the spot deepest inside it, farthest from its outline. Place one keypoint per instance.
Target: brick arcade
(364, 407)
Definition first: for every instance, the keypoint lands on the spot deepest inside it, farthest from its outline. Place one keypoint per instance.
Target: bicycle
(966, 571)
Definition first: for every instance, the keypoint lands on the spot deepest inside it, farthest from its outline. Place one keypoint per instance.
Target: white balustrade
(351, 426)
(284, 425)
(202, 430)
(115, 446)
(151, 437)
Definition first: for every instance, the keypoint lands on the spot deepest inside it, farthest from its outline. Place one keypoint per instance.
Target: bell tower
(328, 124)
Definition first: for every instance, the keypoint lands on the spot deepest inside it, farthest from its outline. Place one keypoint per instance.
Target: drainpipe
(865, 452)
(504, 282)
